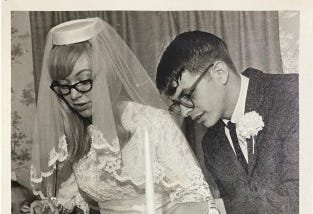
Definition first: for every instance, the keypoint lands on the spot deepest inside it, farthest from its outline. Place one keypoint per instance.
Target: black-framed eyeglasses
(82, 87)
(184, 99)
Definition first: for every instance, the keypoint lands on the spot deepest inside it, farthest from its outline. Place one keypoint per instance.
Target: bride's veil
(115, 68)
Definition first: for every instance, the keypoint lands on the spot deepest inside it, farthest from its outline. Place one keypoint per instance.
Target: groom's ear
(220, 72)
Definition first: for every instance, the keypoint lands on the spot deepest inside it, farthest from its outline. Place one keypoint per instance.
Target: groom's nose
(185, 111)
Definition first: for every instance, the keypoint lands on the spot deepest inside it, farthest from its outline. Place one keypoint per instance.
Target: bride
(89, 131)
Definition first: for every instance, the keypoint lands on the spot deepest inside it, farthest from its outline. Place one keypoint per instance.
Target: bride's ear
(220, 72)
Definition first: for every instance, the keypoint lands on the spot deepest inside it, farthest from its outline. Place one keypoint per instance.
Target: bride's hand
(36, 207)
(25, 208)
(44, 207)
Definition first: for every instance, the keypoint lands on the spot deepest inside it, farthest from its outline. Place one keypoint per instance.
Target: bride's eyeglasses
(82, 87)
(185, 98)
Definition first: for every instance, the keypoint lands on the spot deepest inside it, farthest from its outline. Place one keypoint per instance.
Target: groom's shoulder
(287, 84)
(253, 74)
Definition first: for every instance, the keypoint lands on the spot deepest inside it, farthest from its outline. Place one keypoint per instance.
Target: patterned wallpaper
(23, 97)
(22, 94)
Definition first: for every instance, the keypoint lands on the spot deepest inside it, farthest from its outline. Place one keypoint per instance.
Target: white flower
(250, 124)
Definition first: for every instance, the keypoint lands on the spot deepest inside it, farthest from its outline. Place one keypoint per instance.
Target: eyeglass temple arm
(194, 85)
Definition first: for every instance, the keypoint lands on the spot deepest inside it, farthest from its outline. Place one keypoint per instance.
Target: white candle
(149, 185)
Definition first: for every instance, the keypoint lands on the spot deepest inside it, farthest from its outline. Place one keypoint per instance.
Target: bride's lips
(80, 106)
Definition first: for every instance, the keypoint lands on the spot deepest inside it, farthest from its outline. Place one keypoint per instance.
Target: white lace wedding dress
(177, 177)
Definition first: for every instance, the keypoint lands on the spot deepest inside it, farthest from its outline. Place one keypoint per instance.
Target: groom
(252, 119)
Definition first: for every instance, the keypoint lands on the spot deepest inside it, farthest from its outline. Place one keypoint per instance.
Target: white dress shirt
(238, 113)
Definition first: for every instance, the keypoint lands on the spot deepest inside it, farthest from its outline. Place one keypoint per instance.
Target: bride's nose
(75, 94)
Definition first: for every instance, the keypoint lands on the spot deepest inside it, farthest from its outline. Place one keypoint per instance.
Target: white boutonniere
(250, 125)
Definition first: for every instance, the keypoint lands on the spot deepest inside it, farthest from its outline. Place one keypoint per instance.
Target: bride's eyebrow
(80, 72)
(83, 70)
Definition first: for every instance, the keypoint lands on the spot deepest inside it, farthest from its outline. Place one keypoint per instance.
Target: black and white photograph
(157, 111)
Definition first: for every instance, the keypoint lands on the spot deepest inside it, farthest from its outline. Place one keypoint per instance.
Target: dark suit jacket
(272, 183)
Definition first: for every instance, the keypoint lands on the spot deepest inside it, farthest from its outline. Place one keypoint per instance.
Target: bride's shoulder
(137, 109)
(136, 112)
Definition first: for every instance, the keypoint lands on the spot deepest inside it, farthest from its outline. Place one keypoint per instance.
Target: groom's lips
(195, 116)
(198, 117)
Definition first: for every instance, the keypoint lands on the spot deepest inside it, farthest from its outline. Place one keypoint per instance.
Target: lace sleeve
(181, 176)
(175, 169)
(69, 196)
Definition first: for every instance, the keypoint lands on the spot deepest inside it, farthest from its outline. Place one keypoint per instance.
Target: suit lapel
(254, 158)
(224, 154)
(255, 101)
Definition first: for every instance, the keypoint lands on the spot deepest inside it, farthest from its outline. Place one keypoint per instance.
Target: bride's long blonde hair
(61, 63)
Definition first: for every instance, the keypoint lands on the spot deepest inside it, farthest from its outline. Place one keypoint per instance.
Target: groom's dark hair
(192, 51)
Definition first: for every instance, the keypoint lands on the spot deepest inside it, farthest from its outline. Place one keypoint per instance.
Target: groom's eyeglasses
(82, 87)
(185, 98)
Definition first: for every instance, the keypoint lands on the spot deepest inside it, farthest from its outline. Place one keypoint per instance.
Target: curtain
(252, 38)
